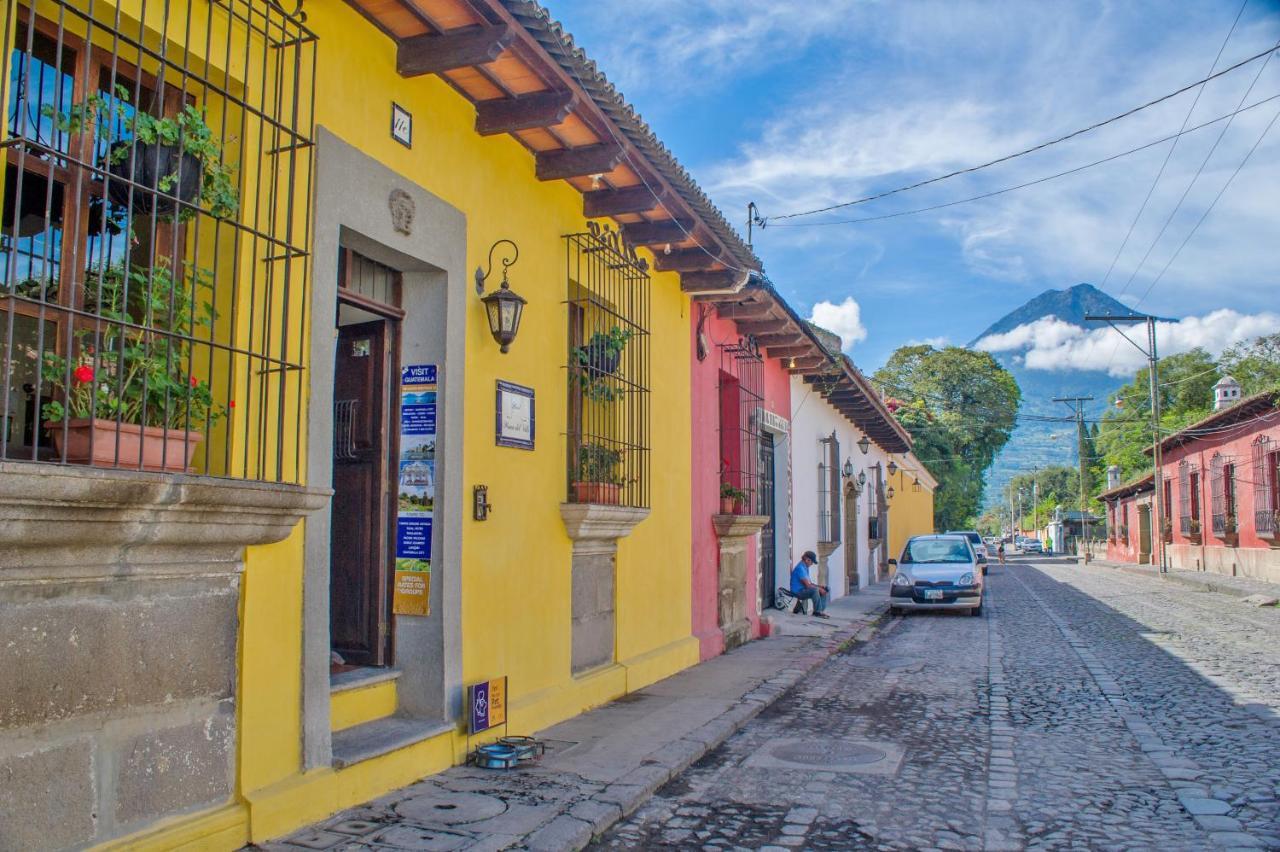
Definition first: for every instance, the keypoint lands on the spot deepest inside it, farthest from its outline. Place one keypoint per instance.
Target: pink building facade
(1220, 481)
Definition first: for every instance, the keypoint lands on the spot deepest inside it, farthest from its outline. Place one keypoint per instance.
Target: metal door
(768, 534)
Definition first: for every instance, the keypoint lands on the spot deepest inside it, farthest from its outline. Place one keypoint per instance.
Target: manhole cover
(805, 755)
(417, 837)
(828, 754)
(448, 808)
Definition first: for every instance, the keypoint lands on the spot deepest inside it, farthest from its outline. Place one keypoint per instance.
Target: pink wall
(1236, 447)
(705, 496)
(1127, 548)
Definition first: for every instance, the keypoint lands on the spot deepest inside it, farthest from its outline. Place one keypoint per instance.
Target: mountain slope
(1070, 305)
(1039, 444)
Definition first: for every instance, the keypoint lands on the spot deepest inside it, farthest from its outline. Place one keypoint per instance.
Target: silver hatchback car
(937, 572)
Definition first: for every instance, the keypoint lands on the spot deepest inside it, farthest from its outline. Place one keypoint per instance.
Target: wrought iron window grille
(829, 491)
(154, 238)
(607, 370)
(741, 386)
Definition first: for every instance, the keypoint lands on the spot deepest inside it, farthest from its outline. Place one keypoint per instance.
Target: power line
(1196, 176)
(1029, 183)
(1207, 210)
(1169, 155)
(1032, 149)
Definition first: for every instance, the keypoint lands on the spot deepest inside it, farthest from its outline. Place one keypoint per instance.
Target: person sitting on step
(803, 587)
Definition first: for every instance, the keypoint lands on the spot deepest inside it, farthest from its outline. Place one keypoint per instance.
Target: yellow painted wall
(910, 513)
(516, 566)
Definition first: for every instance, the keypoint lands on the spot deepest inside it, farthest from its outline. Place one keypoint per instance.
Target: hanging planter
(602, 354)
(172, 175)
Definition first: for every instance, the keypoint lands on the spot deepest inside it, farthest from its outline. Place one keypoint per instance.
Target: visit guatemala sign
(416, 495)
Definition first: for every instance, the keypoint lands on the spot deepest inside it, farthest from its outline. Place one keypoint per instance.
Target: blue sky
(796, 105)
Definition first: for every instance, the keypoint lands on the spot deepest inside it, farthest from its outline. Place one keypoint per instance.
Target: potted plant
(178, 156)
(598, 478)
(731, 499)
(1229, 524)
(127, 395)
(598, 359)
(1194, 527)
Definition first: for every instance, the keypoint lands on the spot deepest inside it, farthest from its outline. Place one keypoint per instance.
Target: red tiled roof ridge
(1232, 414)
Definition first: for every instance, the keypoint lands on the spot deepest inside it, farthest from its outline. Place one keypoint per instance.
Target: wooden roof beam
(685, 260)
(578, 162)
(507, 115)
(783, 339)
(789, 351)
(600, 203)
(720, 281)
(806, 362)
(745, 310)
(657, 233)
(769, 326)
(435, 54)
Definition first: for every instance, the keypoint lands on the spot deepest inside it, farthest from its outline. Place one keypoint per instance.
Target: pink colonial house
(1129, 527)
(1221, 491)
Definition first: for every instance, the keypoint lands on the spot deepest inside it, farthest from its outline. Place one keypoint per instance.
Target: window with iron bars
(829, 489)
(1188, 498)
(741, 397)
(1222, 487)
(1266, 486)
(154, 234)
(607, 370)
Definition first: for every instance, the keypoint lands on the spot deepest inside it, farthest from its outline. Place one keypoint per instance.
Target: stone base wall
(119, 622)
(1252, 562)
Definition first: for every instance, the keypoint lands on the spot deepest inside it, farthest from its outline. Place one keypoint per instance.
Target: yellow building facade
(911, 509)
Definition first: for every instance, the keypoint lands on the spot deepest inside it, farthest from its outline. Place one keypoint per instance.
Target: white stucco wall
(813, 419)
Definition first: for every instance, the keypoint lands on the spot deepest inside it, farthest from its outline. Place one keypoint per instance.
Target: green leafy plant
(186, 130)
(597, 463)
(136, 365)
(1229, 523)
(728, 492)
(598, 359)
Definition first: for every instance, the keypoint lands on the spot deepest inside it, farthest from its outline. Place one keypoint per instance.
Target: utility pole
(1157, 454)
(1035, 501)
(1078, 403)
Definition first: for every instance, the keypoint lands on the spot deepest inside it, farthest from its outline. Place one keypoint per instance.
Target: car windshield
(972, 536)
(936, 550)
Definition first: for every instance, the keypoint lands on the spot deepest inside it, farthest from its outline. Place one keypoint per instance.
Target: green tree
(1255, 364)
(960, 407)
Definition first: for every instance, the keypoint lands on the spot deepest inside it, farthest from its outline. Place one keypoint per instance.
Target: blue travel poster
(417, 469)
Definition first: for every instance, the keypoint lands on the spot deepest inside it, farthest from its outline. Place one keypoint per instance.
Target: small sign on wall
(515, 416)
(401, 125)
(488, 700)
(412, 593)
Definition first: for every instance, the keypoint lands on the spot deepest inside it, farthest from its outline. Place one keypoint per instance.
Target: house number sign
(515, 421)
(401, 125)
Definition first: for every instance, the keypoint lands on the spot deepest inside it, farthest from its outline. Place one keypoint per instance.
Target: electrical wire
(1206, 213)
(1169, 154)
(1030, 183)
(1034, 148)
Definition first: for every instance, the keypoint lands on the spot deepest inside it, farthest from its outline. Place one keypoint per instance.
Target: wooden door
(359, 552)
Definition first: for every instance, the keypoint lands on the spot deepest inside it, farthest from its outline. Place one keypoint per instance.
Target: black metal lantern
(889, 492)
(862, 479)
(893, 467)
(915, 486)
(864, 444)
(503, 307)
(848, 469)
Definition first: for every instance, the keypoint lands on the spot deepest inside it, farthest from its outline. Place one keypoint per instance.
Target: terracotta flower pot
(95, 442)
(728, 506)
(597, 492)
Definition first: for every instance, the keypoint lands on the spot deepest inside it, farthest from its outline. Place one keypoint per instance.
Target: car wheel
(895, 611)
(976, 612)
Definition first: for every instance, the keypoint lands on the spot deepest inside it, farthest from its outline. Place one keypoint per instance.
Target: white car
(937, 572)
(975, 539)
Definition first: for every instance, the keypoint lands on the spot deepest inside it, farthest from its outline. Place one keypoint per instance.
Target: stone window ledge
(63, 519)
(738, 526)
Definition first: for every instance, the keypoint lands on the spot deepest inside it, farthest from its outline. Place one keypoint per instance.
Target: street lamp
(893, 467)
(503, 306)
(864, 444)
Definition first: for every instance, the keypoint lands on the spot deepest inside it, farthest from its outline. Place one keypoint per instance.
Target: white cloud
(845, 319)
(1052, 344)
(940, 342)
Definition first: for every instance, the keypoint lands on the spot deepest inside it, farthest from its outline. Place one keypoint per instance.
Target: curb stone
(626, 795)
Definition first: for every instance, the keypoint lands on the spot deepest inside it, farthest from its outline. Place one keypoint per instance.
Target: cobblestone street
(1089, 708)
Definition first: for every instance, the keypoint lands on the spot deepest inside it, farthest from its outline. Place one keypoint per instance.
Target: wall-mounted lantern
(862, 480)
(864, 444)
(503, 306)
(915, 486)
(848, 468)
(889, 492)
(893, 467)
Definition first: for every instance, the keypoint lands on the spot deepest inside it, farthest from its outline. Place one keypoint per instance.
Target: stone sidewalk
(1208, 581)
(602, 765)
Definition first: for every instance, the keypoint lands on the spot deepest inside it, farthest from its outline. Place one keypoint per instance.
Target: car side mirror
(893, 562)
(981, 558)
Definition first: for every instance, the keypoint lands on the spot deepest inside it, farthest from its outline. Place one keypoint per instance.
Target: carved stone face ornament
(402, 211)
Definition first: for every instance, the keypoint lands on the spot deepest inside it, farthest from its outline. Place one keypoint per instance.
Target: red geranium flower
(232, 404)
(83, 373)
(193, 381)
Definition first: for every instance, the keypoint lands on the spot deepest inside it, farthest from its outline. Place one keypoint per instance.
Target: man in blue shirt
(805, 589)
